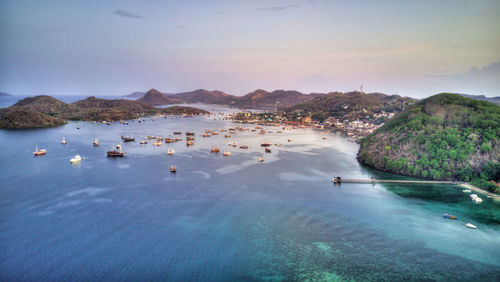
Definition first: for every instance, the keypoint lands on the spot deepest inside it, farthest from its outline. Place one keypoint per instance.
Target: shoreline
(482, 191)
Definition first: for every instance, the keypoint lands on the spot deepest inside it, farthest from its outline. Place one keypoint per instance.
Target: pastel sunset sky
(413, 48)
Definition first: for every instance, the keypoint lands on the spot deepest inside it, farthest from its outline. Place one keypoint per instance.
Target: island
(443, 137)
(46, 111)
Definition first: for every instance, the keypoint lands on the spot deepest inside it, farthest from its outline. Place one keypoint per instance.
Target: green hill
(445, 136)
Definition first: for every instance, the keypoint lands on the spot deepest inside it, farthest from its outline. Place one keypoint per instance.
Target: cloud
(491, 71)
(264, 9)
(126, 14)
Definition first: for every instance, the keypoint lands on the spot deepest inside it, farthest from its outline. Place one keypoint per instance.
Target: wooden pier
(368, 181)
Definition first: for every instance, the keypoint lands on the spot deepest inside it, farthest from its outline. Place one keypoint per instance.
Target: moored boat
(470, 225)
(226, 154)
(63, 141)
(75, 159)
(173, 169)
(449, 216)
(96, 142)
(170, 151)
(116, 153)
(215, 149)
(39, 152)
(261, 159)
(244, 146)
(267, 150)
(143, 142)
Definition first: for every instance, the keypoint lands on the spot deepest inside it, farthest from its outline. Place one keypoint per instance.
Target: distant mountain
(136, 94)
(4, 94)
(280, 98)
(155, 97)
(351, 105)
(205, 97)
(445, 136)
(495, 100)
(46, 111)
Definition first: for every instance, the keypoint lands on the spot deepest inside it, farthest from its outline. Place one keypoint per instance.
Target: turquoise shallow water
(226, 218)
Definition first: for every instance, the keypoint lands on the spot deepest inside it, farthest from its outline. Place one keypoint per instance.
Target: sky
(410, 48)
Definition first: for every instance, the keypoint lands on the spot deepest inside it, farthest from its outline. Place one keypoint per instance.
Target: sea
(226, 218)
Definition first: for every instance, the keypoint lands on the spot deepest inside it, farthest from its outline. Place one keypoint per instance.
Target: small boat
(267, 150)
(215, 149)
(470, 225)
(169, 140)
(177, 139)
(467, 190)
(173, 169)
(277, 144)
(189, 138)
(190, 133)
(189, 143)
(170, 151)
(75, 159)
(226, 154)
(150, 137)
(475, 198)
(177, 132)
(290, 140)
(63, 141)
(116, 153)
(128, 139)
(144, 142)
(244, 146)
(337, 179)
(205, 135)
(77, 127)
(227, 136)
(233, 144)
(96, 142)
(449, 216)
(261, 160)
(157, 143)
(324, 138)
(39, 152)
(265, 144)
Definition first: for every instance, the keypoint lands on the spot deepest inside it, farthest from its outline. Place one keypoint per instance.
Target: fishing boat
(226, 154)
(267, 150)
(63, 141)
(215, 149)
(470, 225)
(116, 153)
(173, 169)
(261, 160)
(449, 216)
(39, 152)
(171, 151)
(96, 142)
(75, 159)
(244, 146)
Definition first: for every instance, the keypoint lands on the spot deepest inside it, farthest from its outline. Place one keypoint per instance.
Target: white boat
(144, 142)
(63, 141)
(75, 159)
(226, 154)
(171, 151)
(475, 198)
(96, 142)
(466, 191)
(470, 225)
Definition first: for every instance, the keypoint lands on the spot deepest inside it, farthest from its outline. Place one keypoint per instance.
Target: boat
(144, 142)
(215, 149)
(173, 169)
(261, 160)
(171, 151)
(337, 179)
(190, 133)
(475, 198)
(189, 143)
(267, 150)
(177, 132)
(324, 138)
(116, 153)
(63, 141)
(265, 144)
(157, 143)
(128, 139)
(226, 154)
(470, 225)
(205, 135)
(75, 159)
(290, 140)
(39, 152)
(177, 139)
(449, 216)
(150, 137)
(233, 144)
(169, 140)
(467, 190)
(244, 146)
(189, 138)
(96, 142)
(277, 144)
(227, 136)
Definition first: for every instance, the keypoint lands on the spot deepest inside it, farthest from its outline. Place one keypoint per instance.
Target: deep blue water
(226, 218)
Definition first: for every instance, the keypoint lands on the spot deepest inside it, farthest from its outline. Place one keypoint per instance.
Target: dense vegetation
(349, 106)
(445, 136)
(46, 111)
(181, 110)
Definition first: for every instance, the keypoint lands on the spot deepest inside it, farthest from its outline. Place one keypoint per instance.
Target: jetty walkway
(462, 184)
